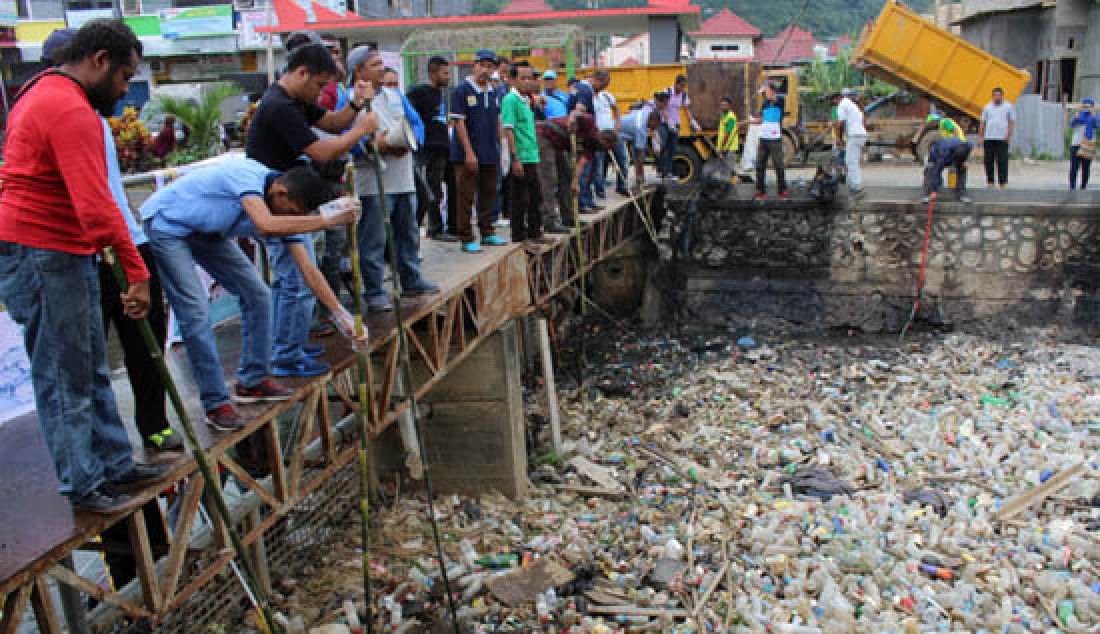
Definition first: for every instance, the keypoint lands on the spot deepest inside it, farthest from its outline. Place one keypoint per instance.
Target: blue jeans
(584, 197)
(54, 296)
(599, 174)
(372, 243)
(228, 265)
(603, 163)
(669, 138)
(293, 302)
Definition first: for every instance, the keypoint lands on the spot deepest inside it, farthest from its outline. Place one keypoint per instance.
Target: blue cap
(549, 75)
(1089, 101)
(56, 41)
(484, 55)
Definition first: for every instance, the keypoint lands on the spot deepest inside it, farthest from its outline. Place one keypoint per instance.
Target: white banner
(16, 393)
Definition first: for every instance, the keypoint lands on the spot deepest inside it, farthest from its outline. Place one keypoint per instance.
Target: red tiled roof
(727, 23)
(525, 6)
(799, 47)
(292, 17)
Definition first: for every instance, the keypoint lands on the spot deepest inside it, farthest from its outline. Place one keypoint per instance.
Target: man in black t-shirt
(281, 136)
(430, 102)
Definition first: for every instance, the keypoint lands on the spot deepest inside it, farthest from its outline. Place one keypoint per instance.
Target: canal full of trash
(762, 482)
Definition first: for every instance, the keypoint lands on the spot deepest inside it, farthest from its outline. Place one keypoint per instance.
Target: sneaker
(857, 193)
(761, 196)
(444, 237)
(265, 390)
(100, 502)
(225, 418)
(502, 222)
(379, 304)
(423, 287)
(164, 440)
(313, 349)
(925, 199)
(304, 368)
(784, 195)
(139, 473)
(965, 200)
(494, 241)
(557, 227)
(471, 247)
(622, 191)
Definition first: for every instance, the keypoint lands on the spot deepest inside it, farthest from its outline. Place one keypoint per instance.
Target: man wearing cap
(475, 152)
(557, 100)
(772, 106)
(56, 212)
(850, 131)
(554, 170)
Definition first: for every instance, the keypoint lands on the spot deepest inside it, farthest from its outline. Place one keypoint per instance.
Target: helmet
(947, 125)
(932, 119)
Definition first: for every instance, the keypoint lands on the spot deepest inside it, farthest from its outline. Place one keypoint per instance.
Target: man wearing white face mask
(400, 130)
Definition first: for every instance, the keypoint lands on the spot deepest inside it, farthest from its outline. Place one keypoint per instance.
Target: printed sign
(16, 393)
(197, 21)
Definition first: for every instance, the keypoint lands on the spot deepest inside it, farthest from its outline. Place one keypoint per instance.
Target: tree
(202, 117)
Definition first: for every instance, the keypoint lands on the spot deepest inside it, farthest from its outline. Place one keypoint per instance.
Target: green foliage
(827, 78)
(202, 117)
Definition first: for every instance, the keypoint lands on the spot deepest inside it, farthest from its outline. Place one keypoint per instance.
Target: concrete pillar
(665, 39)
(1088, 70)
(474, 428)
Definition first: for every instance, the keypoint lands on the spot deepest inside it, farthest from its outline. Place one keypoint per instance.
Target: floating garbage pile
(800, 487)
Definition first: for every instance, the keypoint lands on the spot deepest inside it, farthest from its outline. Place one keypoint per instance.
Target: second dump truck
(899, 47)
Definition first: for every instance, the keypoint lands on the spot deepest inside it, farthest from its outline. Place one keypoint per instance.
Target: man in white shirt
(998, 120)
(607, 119)
(850, 131)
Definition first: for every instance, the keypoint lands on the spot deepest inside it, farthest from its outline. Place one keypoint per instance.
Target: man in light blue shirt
(196, 220)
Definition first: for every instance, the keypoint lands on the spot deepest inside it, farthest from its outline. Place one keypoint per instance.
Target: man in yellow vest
(728, 139)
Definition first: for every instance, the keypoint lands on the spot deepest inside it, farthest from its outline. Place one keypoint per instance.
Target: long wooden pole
(406, 374)
(266, 621)
(365, 400)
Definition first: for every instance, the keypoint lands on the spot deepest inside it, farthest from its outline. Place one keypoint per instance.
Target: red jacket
(55, 193)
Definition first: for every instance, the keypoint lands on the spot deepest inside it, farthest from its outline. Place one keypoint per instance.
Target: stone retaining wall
(857, 267)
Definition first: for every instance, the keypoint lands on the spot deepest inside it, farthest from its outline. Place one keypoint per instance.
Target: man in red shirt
(56, 212)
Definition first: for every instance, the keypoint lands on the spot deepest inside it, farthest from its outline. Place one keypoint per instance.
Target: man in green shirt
(518, 121)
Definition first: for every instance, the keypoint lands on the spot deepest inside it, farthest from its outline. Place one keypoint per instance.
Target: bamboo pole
(406, 374)
(365, 402)
(266, 622)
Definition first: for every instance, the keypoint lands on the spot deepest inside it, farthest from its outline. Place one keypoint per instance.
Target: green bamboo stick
(364, 401)
(578, 235)
(267, 622)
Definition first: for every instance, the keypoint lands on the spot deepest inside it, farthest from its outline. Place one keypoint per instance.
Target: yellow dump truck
(905, 50)
(708, 82)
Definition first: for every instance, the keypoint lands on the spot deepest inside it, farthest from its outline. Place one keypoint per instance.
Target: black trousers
(435, 163)
(773, 149)
(149, 412)
(996, 159)
(148, 404)
(526, 198)
(1077, 163)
